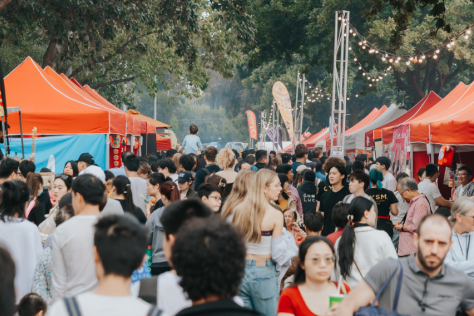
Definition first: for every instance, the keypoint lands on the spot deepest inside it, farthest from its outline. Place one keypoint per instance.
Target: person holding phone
(292, 226)
(310, 293)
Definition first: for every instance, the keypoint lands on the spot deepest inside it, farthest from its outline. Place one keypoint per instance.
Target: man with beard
(428, 286)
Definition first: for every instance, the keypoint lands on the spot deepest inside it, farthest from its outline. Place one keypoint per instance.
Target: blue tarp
(63, 149)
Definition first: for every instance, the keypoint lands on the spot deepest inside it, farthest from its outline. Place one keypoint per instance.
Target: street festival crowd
(199, 231)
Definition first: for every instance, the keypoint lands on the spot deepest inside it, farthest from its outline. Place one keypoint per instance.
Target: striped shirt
(418, 208)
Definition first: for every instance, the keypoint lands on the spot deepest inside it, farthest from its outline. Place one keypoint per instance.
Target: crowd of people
(218, 232)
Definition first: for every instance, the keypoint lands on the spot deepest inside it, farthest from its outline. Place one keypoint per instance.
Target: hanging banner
(252, 120)
(274, 135)
(399, 152)
(282, 98)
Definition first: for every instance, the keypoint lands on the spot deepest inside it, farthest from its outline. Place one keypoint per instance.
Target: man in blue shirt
(301, 153)
(192, 143)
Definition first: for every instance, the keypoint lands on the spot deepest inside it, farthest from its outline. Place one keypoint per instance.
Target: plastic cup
(335, 299)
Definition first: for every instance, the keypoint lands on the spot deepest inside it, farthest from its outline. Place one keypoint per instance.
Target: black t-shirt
(328, 200)
(37, 214)
(157, 205)
(384, 198)
(325, 186)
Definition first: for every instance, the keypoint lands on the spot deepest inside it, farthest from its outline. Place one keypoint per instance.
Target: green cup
(335, 299)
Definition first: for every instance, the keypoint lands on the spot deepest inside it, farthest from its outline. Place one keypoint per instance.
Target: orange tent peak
(133, 112)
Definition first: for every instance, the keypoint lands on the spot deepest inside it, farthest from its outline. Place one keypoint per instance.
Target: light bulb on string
(452, 43)
(360, 43)
(370, 85)
(363, 74)
(435, 56)
(468, 31)
(360, 68)
(357, 95)
(384, 59)
(423, 56)
(391, 60)
(466, 36)
(397, 61)
(408, 63)
(354, 34)
(449, 45)
(363, 47)
(437, 51)
(411, 58)
(355, 59)
(350, 48)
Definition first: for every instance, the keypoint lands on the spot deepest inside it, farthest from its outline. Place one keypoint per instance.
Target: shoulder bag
(372, 310)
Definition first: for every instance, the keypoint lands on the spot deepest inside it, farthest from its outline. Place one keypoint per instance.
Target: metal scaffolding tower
(298, 116)
(339, 82)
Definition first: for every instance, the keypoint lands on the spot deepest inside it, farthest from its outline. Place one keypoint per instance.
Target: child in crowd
(192, 143)
(32, 305)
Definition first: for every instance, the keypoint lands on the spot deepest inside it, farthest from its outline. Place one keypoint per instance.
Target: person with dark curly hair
(325, 185)
(209, 256)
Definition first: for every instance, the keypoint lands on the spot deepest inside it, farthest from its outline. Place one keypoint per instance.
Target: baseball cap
(87, 158)
(301, 168)
(185, 176)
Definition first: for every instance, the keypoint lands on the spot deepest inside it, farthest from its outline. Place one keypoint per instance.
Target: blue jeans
(259, 288)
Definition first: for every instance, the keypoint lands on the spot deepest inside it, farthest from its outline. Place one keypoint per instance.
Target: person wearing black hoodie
(262, 159)
(307, 192)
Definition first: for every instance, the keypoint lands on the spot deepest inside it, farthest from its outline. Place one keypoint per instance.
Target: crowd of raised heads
(202, 231)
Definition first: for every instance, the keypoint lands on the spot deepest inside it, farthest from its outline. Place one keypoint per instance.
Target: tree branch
(452, 75)
(100, 85)
(3, 3)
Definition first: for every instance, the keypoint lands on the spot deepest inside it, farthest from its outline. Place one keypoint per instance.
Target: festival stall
(49, 106)
(162, 143)
(385, 132)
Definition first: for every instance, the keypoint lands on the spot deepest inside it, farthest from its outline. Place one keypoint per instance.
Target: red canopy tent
(386, 131)
(163, 143)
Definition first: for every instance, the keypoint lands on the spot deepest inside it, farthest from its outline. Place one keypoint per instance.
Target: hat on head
(301, 168)
(185, 176)
(87, 158)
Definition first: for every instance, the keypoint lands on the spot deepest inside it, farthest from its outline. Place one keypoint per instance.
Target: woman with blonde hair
(176, 162)
(461, 256)
(239, 191)
(226, 161)
(261, 224)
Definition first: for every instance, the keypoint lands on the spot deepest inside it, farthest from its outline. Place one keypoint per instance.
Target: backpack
(377, 311)
(73, 308)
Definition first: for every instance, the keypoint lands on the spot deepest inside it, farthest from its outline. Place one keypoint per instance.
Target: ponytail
(122, 186)
(376, 177)
(170, 191)
(346, 245)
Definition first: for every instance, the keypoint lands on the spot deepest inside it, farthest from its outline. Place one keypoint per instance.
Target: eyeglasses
(401, 193)
(217, 198)
(462, 174)
(467, 216)
(327, 260)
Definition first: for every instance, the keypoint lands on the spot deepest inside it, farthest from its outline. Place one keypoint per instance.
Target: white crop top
(264, 247)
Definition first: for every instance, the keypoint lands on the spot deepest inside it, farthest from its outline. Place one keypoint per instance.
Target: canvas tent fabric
(162, 143)
(452, 107)
(309, 142)
(142, 117)
(356, 140)
(386, 131)
(47, 105)
(372, 116)
(117, 118)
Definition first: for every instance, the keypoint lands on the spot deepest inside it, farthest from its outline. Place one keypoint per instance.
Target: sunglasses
(63, 176)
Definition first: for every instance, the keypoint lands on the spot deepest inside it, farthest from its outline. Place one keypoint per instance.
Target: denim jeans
(259, 288)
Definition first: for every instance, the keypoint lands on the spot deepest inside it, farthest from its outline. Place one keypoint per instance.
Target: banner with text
(399, 152)
(282, 98)
(252, 120)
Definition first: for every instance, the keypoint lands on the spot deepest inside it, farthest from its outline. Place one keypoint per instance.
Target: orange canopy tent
(307, 141)
(386, 131)
(455, 103)
(49, 106)
(156, 123)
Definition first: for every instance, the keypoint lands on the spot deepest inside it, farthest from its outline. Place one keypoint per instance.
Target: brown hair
(211, 153)
(175, 159)
(301, 150)
(331, 162)
(170, 190)
(144, 168)
(193, 129)
(34, 180)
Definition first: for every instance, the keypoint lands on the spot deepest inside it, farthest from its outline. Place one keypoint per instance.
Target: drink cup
(335, 299)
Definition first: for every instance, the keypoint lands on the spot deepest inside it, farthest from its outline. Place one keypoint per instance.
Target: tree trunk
(50, 55)
(3, 3)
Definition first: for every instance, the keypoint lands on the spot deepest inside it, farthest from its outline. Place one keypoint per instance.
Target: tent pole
(107, 151)
(21, 132)
(412, 167)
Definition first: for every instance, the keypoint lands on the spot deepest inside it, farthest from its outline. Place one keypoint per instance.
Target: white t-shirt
(22, 240)
(95, 171)
(91, 304)
(73, 257)
(138, 187)
(402, 206)
(389, 182)
(431, 191)
(174, 177)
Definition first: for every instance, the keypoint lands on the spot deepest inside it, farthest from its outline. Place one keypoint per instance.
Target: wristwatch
(402, 229)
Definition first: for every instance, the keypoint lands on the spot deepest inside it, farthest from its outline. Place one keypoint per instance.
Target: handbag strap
(72, 306)
(154, 311)
(397, 292)
(357, 268)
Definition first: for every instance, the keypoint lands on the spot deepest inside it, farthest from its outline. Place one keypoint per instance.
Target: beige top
(48, 226)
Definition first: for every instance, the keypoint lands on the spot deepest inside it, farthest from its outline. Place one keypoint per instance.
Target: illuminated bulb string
(394, 58)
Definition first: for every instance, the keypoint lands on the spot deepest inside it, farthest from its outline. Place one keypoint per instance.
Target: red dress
(292, 302)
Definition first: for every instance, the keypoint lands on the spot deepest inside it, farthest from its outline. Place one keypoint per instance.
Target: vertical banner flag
(400, 148)
(274, 135)
(282, 98)
(252, 120)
